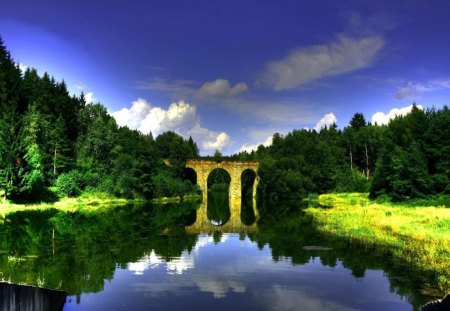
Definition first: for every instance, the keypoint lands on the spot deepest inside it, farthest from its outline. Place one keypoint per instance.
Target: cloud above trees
(382, 118)
(326, 121)
(180, 117)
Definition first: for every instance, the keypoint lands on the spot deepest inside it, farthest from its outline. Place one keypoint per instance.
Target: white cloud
(134, 116)
(307, 64)
(23, 67)
(89, 97)
(180, 117)
(414, 90)
(250, 147)
(327, 120)
(209, 140)
(382, 118)
(221, 88)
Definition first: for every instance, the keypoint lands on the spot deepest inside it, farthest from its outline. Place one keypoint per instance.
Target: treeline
(52, 140)
(408, 158)
(49, 138)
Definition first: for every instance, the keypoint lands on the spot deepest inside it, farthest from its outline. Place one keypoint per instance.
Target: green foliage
(70, 184)
(49, 138)
(351, 181)
(165, 185)
(218, 176)
(217, 156)
(414, 161)
(408, 158)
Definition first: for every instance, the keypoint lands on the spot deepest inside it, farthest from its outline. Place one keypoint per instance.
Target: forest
(52, 143)
(406, 159)
(55, 144)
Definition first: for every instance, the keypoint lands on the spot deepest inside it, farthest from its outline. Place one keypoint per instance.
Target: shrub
(69, 184)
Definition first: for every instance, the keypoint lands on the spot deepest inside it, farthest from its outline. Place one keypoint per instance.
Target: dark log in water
(439, 305)
(28, 298)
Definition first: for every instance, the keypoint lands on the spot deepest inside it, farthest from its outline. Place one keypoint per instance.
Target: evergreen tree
(31, 171)
(358, 121)
(59, 148)
(10, 158)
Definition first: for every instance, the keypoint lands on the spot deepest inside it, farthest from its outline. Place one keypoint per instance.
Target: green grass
(418, 234)
(87, 201)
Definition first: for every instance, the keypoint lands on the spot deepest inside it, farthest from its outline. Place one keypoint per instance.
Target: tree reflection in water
(88, 246)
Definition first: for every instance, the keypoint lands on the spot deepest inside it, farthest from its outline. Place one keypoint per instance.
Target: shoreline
(92, 203)
(417, 235)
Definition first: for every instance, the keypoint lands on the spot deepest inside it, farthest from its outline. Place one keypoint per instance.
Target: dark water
(158, 258)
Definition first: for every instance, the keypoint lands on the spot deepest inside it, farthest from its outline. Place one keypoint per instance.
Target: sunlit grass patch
(418, 235)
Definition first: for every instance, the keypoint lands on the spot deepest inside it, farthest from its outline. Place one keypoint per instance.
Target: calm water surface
(161, 258)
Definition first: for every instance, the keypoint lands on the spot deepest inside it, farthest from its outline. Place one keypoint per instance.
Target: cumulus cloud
(221, 88)
(134, 116)
(382, 118)
(307, 64)
(180, 117)
(250, 147)
(414, 90)
(326, 121)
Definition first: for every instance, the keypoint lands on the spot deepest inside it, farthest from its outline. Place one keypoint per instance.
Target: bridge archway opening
(218, 211)
(191, 175)
(248, 178)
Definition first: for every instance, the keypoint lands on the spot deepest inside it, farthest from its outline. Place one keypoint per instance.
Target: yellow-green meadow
(418, 235)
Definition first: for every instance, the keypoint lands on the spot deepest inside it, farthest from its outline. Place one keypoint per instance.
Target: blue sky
(232, 73)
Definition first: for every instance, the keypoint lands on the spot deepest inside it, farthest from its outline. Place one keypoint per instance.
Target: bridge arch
(235, 169)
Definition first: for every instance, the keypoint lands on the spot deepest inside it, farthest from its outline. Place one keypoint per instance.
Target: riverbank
(418, 235)
(87, 202)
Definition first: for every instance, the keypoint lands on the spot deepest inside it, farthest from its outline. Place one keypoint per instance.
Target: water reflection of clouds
(177, 265)
(220, 283)
(151, 261)
(281, 298)
(219, 286)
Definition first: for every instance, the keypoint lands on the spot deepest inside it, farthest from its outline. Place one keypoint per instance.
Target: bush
(165, 185)
(69, 184)
(351, 181)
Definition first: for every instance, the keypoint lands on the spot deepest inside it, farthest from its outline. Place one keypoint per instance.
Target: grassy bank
(91, 202)
(415, 234)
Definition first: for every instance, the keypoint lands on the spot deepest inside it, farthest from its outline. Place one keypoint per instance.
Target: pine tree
(59, 147)
(31, 172)
(10, 159)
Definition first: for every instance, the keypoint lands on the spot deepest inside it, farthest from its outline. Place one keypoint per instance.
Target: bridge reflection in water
(235, 169)
(234, 224)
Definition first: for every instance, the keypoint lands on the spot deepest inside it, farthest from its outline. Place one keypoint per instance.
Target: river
(161, 258)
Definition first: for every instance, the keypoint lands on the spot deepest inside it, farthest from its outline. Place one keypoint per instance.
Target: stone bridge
(235, 169)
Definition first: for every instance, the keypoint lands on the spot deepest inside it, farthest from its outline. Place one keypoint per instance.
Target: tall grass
(415, 234)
